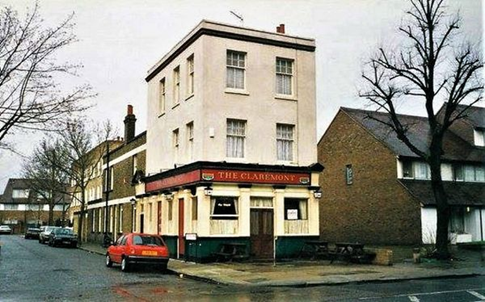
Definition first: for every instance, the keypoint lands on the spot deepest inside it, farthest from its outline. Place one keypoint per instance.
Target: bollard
(416, 255)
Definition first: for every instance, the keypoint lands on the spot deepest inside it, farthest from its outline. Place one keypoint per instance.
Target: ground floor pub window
(224, 207)
(296, 209)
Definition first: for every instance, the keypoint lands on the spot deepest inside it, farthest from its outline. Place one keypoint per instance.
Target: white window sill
(286, 163)
(285, 97)
(189, 97)
(236, 91)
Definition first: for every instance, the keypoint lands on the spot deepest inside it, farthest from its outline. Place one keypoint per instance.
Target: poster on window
(292, 214)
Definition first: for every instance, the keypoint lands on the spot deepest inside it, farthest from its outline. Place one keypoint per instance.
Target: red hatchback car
(136, 248)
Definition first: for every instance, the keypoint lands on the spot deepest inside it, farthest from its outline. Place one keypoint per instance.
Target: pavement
(300, 273)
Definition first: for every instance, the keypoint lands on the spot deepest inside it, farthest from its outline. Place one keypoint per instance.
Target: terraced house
(110, 193)
(378, 191)
(21, 207)
(231, 144)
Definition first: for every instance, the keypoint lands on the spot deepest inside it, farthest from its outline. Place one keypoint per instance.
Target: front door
(159, 223)
(262, 233)
(181, 228)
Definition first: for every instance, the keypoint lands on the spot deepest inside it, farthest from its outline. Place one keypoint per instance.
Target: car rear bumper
(65, 241)
(147, 259)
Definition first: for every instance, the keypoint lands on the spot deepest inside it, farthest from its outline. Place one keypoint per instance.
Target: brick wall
(375, 209)
(23, 216)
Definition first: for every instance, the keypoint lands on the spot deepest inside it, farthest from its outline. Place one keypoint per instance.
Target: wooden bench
(314, 248)
(231, 251)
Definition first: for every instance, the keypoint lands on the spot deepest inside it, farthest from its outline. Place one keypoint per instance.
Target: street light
(133, 203)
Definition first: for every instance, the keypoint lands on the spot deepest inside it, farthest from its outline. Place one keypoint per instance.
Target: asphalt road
(30, 271)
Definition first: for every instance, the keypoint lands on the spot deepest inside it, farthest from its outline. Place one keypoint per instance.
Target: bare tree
(429, 66)
(29, 92)
(46, 179)
(81, 151)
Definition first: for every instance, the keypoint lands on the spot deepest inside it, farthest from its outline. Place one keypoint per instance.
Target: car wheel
(125, 265)
(109, 263)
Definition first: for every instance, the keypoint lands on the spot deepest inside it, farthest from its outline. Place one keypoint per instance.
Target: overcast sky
(120, 40)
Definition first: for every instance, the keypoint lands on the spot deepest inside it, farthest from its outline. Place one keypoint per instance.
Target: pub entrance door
(262, 233)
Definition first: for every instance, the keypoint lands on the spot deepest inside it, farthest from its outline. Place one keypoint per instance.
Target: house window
(470, 173)
(190, 75)
(284, 142)
(175, 138)
(111, 178)
(235, 69)
(93, 221)
(120, 219)
(11, 207)
(296, 209)
(20, 193)
(176, 85)
(236, 134)
(224, 207)
(479, 137)
(190, 140)
(194, 208)
(135, 163)
(457, 220)
(284, 76)
(349, 175)
(170, 209)
(407, 169)
(421, 170)
(161, 100)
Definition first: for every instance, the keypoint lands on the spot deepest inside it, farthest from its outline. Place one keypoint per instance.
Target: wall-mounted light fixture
(317, 194)
(208, 191)
(133, 201)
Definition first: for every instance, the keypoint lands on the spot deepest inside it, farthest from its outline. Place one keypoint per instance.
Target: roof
(455, 148)
(458, 193)
(229, 31)
(474, 115)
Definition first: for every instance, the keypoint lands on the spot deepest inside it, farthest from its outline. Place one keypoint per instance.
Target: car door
(116, 250)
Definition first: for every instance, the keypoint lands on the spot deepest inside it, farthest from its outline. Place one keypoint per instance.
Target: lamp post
(106, 237)
(133, 202)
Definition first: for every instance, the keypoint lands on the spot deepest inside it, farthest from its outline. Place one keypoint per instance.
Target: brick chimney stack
(280, 29)
(130, 121)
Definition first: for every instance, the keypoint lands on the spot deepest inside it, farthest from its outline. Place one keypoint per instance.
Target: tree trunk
(81, 218)
(442, 208)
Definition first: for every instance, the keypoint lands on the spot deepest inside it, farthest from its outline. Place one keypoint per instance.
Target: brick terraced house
(375, 190)
(21, 207)
(231, 148)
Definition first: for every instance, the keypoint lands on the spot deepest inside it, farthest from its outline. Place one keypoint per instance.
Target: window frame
(300, 214)
(190, 75)
(176, 85)
(283, 139)
(236, 135)
(231, 66)
(282, 73)
(233, 199)
(162, 98)
(190, 139)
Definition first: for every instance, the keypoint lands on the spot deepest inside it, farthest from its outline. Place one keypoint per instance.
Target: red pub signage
(235, 176)
(255, 177)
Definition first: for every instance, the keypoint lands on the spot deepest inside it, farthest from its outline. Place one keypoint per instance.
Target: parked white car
(46, 231)
(5, 229)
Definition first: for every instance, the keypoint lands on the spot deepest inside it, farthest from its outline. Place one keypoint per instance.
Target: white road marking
(479, 296)
(413, 299)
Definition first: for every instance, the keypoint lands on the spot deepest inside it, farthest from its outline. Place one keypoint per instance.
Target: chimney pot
(280, 29)
(129, 110)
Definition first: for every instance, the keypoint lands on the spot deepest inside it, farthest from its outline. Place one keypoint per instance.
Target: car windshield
(147, 240)
(63, 232)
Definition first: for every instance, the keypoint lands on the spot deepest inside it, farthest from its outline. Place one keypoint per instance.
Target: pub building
(231, 147)
(268, 210)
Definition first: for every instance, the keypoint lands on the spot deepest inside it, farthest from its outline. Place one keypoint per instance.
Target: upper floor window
(284, 76)
(161, 99)
(236, 65)
(9, 206)
(135, 163)
(470, 173)
(176, 85)
(175, 138)
(20, 193)
(479, 137)
(111, 178)
(190, 75)
(416, 170)
(236, 134)
(284, 142)
(190, 139)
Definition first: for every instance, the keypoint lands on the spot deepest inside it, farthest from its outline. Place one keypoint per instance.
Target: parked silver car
(46, 231)
(5, 229)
